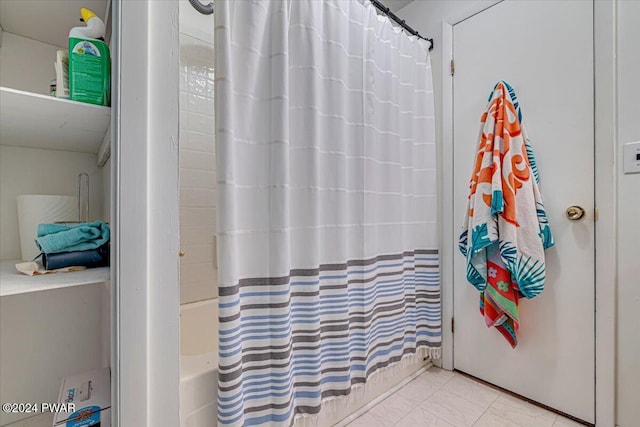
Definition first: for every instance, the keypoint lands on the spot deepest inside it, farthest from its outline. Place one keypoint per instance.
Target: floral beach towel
(505, 230)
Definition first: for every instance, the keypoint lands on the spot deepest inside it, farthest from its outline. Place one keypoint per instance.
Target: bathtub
(199, 375)
(198, 363)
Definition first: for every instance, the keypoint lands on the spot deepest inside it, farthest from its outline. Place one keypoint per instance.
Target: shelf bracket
(104, 154)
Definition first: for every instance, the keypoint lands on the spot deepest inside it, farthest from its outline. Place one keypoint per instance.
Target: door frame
(605, 199)
(145, 300)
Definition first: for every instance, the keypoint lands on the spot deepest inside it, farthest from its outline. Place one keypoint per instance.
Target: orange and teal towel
(506, 230)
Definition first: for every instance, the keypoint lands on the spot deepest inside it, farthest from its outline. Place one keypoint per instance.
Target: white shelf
(13, 282)
(41, 121)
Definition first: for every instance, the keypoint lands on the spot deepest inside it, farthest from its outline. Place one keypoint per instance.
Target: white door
(544, 49)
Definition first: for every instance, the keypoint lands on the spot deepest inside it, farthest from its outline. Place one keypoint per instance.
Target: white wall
(198, 271)
(26, 64)
(36, 171)
(426, 17)
(46, 336)
(628, 357)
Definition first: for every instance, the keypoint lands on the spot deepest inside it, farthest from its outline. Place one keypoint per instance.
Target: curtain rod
(207, 9)
(382, 8)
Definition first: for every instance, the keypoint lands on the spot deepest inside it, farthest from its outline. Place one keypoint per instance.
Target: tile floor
(440, 398)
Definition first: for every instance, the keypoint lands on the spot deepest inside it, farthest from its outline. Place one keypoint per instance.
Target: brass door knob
(574, 213)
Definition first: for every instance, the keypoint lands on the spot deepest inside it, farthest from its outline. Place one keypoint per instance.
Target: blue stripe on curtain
(363, 326)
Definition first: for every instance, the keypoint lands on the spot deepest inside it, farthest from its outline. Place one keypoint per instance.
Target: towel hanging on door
(506, 230)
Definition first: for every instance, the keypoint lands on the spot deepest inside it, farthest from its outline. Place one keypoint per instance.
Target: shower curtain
(327, 224)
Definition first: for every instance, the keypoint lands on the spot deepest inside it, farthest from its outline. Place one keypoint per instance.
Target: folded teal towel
(54, 238)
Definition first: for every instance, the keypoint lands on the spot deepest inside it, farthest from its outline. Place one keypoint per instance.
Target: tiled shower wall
(198, 269)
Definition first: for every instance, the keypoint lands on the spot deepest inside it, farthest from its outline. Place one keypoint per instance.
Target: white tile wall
(198, 268)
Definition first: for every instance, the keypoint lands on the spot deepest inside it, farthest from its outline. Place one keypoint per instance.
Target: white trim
(605, 198)
(476, 8)
(605, 184)
(146, 360)
(114, 213)
(445, 158)
(445, 154)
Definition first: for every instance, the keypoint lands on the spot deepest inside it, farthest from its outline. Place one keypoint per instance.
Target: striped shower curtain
(327, 224)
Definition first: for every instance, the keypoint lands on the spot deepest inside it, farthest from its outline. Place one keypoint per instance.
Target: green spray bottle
(89, 62)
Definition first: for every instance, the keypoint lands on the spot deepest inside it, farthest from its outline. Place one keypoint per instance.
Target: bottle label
(86, 48)
(89, 67)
